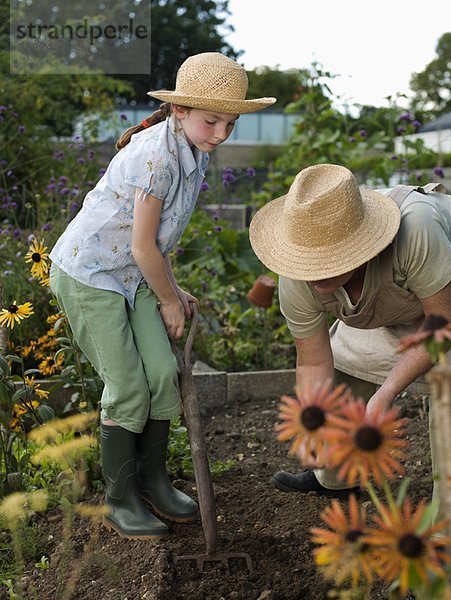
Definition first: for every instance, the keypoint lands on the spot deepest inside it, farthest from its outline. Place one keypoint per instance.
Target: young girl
(112, 277)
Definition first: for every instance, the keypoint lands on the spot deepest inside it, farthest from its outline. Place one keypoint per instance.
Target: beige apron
(364, 344)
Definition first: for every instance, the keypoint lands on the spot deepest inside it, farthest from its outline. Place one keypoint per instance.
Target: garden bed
(253, 517)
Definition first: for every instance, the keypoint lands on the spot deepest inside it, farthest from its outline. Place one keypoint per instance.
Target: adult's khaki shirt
(416, 265)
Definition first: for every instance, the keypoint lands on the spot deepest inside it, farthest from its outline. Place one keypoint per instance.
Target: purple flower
(3, 163)
(63, 180)
(363, 133)
(16, 233)
(21, 129)
(250, 171)
(3, 108)
(418, 176)
(439, 172)
(228, 170)
(417, 124)
(47, 227)
(228, 178)
(218, 228)
(58, 155)
(407, 117)
(64, 191)
(81, 146)
(400, 130)
(81, 160)
(352, 139)
(9, 173)
(124, 117)
(204, 186)
(91, 154)
(393, 157)
(179, 250)
(208, 248)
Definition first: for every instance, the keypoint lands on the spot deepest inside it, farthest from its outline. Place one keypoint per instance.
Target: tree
(180, 28)
(267, 81)
(432, 87)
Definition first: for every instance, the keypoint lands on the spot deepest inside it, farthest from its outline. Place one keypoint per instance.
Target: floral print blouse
(96, 247)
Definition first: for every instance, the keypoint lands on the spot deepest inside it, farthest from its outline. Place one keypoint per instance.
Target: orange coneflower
(38, 255)
(403, 548)
(436, 335)
(306, 417)
(364, 446)
(343, 554)
(15, 313)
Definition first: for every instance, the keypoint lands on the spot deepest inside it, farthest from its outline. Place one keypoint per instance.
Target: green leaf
(403, 490)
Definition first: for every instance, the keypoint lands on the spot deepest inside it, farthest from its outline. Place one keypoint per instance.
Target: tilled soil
(253, 517)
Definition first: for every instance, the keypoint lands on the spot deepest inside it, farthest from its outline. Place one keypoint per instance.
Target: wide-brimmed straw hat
(325, 226)
(212, 81)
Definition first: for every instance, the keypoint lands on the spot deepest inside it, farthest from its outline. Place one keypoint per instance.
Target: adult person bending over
(379, 264)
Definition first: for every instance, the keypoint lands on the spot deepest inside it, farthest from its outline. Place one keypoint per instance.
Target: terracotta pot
(262, 291)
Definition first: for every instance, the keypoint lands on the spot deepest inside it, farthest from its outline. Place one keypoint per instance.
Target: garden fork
(200, 459)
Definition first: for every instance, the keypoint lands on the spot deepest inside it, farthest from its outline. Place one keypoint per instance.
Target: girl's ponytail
(159, 115)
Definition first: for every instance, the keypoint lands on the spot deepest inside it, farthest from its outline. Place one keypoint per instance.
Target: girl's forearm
(153, 267)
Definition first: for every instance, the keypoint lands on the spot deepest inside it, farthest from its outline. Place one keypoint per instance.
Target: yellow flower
(30, 382)
(38, 255)
(15, 313)
(49, 366)
(306, 417)
(19, 409)
(45, 281)
(14, 506)
(364, 446)
(403, 548)
(93, 512)
(64, 453)
(51, 429)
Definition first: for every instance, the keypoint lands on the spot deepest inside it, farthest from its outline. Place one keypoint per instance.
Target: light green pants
(128, 348)
(365, 389)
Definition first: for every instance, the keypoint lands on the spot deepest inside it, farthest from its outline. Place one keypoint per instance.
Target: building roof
(443, 122)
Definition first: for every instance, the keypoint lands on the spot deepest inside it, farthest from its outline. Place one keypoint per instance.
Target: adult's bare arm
(314, 363)
(415, 361)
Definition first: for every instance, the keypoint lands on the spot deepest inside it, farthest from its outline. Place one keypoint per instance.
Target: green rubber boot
(128, 516)
(153, 479)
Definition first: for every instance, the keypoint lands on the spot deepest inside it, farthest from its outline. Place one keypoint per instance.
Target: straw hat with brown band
(325, 226)
(212, 81)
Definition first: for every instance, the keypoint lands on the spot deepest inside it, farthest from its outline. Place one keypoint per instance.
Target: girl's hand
(186, 299)
(173, 318)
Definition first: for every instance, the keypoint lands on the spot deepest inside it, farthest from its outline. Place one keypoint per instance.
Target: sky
(374, 47)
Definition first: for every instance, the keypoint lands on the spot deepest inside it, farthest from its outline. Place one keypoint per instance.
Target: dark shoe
(306, 481)
(153, 480)
(128, 515)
